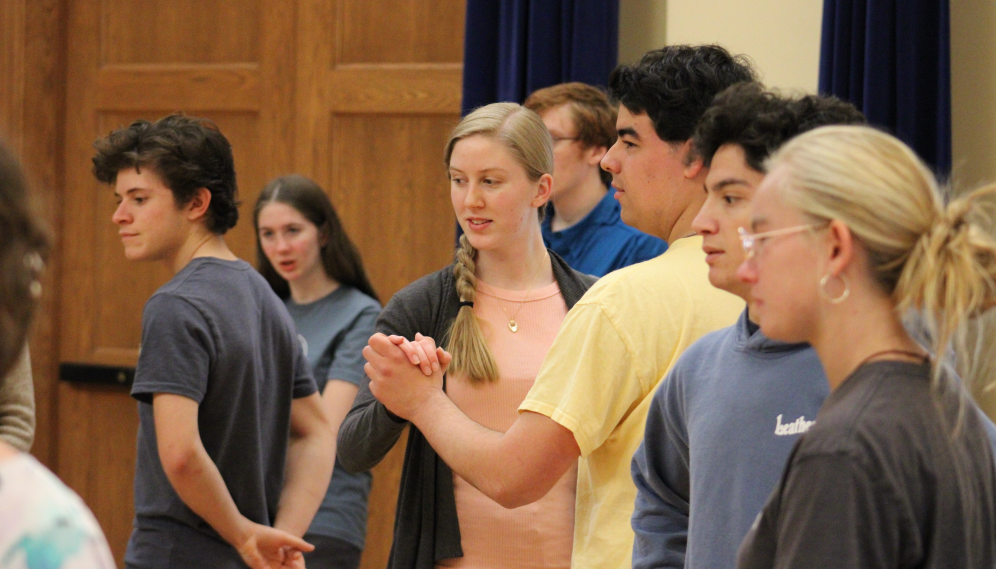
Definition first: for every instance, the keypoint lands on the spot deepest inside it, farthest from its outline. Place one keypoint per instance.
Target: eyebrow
(756, 222)
(727, 182)
(628, 131)
(128, 191)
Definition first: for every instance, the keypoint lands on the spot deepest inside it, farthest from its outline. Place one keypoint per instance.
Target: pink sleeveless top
(541, 534)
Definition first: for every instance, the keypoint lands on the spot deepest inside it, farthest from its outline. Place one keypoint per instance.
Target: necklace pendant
(513, 326)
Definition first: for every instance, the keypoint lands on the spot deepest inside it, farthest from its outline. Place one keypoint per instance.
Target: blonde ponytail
(950, 277)
(939, 261)
(471, 355)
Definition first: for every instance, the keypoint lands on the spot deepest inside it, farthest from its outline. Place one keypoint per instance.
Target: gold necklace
(512, 324)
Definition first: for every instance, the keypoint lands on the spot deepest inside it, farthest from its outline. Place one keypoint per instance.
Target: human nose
(704, 222)
(747, 271)
(120, 215)
(280, 243)
(609, 162)
(474, 197)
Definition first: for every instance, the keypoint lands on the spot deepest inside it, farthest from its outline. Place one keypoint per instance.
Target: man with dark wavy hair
(591, 396)
(221, 378)
(723, 422)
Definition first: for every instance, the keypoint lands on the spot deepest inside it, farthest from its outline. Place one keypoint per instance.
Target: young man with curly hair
(723, 422)
(233, 441)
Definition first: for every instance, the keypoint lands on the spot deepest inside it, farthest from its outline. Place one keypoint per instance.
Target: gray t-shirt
(215, 333)
(333, 331)
(882, 480)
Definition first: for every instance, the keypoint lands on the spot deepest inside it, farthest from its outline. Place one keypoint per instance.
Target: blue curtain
(513, 47)
(892, 58)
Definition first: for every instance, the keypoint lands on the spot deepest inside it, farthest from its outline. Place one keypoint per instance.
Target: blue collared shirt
(601, 243)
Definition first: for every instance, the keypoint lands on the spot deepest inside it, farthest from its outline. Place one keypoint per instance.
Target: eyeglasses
(752, 241)
(557, 139)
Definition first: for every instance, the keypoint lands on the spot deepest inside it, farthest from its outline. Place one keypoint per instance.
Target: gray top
(426, 528)
(884, 479)
(216, 333)
(719, 431)
(333, 331)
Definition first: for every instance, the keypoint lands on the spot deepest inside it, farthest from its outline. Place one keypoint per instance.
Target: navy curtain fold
(892, 59)
(513, 47)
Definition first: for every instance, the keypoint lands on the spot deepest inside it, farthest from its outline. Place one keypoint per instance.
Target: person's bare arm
(199, 484)
(310, 457)
(513, 468)
(338, 400)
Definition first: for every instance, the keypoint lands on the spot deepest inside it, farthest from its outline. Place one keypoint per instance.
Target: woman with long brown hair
(310, 262)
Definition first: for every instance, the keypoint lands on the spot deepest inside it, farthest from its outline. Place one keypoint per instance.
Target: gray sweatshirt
(719, 430)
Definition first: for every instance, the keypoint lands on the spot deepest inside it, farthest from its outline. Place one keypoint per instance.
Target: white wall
(781, 36)
(973, 89)
(783, 39)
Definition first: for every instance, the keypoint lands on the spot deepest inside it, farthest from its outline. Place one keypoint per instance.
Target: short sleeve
(588, 382)
(347, 362)
(304, 379)
(176, 352)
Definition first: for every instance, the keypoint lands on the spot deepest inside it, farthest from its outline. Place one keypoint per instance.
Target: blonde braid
(471, 355)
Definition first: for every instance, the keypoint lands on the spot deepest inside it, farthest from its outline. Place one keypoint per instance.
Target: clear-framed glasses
(557, 139)
(752, 241)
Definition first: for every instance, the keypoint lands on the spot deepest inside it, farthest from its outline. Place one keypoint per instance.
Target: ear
(594, 155)
(840, 247)
(543, 190)
(693, 165)
(198, 205)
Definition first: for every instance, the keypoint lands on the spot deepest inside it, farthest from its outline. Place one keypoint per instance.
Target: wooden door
(129, 60)
(358, 95)
(378, 92)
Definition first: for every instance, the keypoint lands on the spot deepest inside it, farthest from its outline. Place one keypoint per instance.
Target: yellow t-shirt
(612, 350)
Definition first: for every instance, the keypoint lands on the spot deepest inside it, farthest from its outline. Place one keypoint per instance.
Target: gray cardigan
(426, 528)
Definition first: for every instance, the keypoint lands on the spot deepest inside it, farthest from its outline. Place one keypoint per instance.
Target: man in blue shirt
(583, 224)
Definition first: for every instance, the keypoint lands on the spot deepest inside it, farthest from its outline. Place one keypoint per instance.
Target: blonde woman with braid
(497, 309)
(847, 232)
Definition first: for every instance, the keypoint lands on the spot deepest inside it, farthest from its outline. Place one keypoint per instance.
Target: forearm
(309, 468)
(489, 460)
(199, 484)
(367, 434)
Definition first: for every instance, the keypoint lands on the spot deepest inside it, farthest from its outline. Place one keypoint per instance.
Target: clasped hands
(405, 375)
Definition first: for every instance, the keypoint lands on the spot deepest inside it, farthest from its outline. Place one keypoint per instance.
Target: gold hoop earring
(843, 296)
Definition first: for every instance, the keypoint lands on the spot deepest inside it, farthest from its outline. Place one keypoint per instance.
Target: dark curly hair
(24, 247)
(340, 258)
(675, 85)
(187, 153)
(760, 121)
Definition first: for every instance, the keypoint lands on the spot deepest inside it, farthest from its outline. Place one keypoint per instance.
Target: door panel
(359, 96)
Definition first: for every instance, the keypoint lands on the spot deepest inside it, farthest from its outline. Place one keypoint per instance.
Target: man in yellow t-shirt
(591, 396)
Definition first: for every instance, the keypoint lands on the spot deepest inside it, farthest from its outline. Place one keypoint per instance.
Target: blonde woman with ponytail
(848, 233)
(497, 309)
